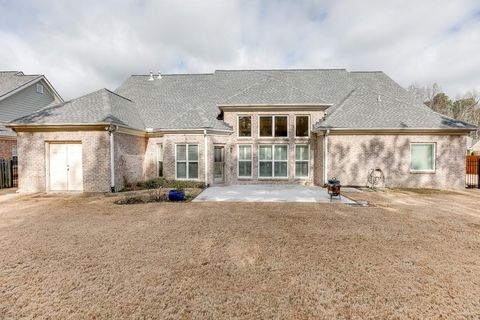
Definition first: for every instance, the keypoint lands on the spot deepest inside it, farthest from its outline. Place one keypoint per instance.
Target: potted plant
(177, 194)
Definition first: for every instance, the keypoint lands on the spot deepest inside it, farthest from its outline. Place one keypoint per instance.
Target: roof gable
(99, 107)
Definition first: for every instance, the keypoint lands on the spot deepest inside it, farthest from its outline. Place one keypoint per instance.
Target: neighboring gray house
(242, 127)
(21, 95)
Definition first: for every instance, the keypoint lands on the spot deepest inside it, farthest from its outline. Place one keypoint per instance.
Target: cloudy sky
(85, 45)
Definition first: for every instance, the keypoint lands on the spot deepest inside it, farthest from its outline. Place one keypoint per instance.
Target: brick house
(21, 95)
(242, 127)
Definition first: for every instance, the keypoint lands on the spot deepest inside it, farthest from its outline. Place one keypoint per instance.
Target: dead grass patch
(409, 257)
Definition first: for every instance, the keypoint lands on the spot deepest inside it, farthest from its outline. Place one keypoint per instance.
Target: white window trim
(308, 161)
(158, 160)
(295, 125)
(273, 161)
(273, 125)
(238, 161)
(187, 161)
(40, 88)
(434, 158)
(238, 126)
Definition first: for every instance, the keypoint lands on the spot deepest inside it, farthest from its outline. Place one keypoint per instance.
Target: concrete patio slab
(268, 193)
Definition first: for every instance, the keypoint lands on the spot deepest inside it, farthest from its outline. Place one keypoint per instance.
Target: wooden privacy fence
(473, 172)
(8, 173)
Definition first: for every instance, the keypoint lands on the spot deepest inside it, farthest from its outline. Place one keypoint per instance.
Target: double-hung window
(186, 159)
(159, 160)
(273, 161)
(273, 126)
(245, 126)
(301, 160)
(422, 157)
(245, 161)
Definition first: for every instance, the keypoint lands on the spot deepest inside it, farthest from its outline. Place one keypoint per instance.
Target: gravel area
(407, 255)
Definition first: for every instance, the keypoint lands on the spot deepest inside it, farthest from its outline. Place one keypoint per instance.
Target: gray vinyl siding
(24, 102)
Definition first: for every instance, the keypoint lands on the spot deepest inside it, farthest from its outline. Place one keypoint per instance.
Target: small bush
(156, 183)
(131, 200)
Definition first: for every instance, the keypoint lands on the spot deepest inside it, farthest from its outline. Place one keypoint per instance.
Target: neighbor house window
(302, 156)
(273, 126)
(273, 161)
(39, 88)
(422, 157)
(245, 161)
(302, 126)
(160, 160)
(245, 126)
(186, 158)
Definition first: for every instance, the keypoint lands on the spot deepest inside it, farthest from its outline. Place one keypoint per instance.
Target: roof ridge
(174, 74)
(367, 71)
(342, 102)
(119, 95)
(107, 105)
(285, 69)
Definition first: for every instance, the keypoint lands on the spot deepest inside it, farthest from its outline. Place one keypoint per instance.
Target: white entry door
(66, 167)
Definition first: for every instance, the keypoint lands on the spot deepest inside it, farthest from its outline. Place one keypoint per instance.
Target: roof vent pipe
(151, 76)
(159, 75)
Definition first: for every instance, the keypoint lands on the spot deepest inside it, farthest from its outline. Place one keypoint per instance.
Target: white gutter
(111, 130)
(325, 156)
(205, 139)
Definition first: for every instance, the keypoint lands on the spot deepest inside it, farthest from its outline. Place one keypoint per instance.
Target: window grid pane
(265, 153)
(181, 170)
(281, 169)
(301, 168)
(281, 129)
(193, 170)
(301, 126)
(192, 152)
(245, 126)
(280, 152)
(265, 169)
(265, 126)
(301, 152)
(181, 152)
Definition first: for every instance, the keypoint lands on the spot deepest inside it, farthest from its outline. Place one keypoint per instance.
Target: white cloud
(83, 46)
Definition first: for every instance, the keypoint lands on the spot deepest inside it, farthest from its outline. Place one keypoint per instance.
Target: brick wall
(351, 157)
(6, 146)
(129, 158)
(32, 150)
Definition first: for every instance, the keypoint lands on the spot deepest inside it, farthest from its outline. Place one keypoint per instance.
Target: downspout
(325, 156)
(111, 129)
(205, 140)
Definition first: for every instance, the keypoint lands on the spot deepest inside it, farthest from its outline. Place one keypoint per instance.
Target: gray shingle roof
(11, 80)
(190, 101)
(6, 132)
(365, 108)
(271, 90)
(99, 107)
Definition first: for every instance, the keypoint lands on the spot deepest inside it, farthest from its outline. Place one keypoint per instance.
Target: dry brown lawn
(410, 255)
